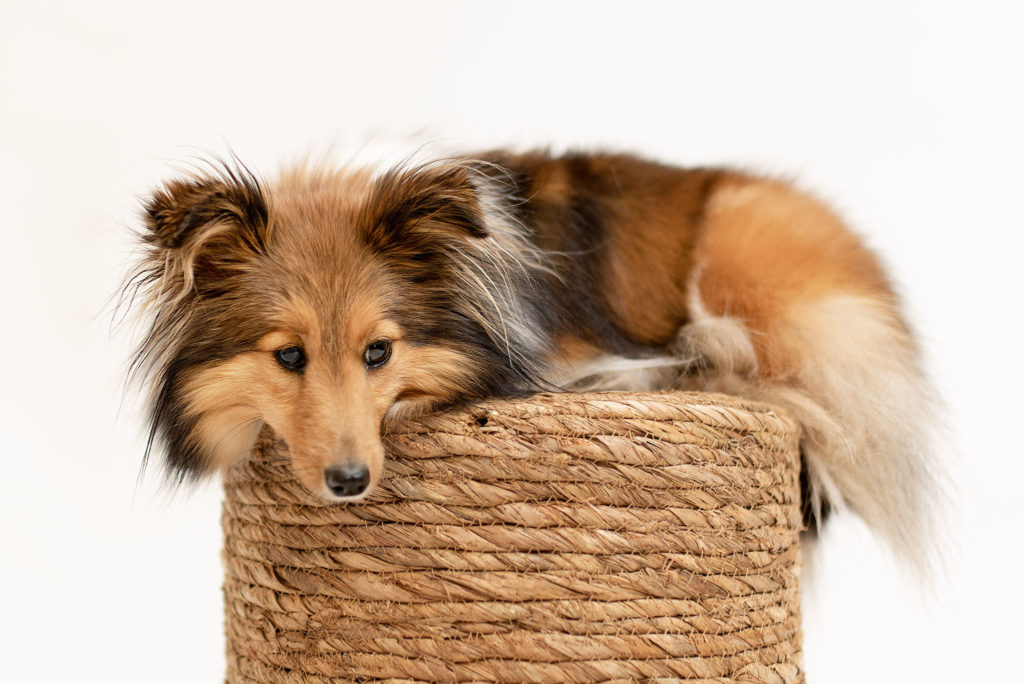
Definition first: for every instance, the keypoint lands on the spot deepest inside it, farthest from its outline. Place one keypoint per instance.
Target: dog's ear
(421, 204)
(204, 228)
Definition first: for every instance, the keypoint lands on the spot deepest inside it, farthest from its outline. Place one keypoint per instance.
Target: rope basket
(559, 538)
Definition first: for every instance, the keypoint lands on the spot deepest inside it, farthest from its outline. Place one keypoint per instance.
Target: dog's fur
(501, 274)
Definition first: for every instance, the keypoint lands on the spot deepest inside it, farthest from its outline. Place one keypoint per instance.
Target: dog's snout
(347, 480)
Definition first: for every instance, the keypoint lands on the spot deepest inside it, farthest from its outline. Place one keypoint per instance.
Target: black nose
(347, 480)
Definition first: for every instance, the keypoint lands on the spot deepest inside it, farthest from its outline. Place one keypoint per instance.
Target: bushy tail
(788, 307)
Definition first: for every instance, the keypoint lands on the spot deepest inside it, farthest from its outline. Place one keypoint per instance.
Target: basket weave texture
(559, 538)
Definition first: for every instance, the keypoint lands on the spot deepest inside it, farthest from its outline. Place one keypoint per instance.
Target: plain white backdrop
(907, 117)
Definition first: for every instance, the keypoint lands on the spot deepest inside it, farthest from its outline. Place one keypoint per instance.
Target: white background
(907, 117)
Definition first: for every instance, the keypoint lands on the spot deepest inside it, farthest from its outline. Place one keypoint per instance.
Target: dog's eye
(291, 358)
(377, 353)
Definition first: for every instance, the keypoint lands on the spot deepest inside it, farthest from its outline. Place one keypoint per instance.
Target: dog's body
(335, 302)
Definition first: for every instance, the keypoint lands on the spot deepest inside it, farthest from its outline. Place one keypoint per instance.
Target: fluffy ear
(203, 228)
(423, 204)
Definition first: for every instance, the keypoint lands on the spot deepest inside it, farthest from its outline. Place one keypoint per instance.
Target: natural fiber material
(560, 538)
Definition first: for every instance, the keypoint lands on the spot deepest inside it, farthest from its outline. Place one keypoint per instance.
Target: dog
(334, 302)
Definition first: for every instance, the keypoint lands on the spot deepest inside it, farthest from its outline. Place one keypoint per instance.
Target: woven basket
(560, 538)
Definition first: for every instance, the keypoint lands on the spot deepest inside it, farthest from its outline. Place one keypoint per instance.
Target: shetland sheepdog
(333, 302)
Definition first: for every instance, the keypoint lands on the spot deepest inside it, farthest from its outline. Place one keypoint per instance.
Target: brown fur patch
(764, 249)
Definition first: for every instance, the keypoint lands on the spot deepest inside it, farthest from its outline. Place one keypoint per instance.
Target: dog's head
(325, 308)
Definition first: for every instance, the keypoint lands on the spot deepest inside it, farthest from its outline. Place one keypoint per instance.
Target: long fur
(502, 274)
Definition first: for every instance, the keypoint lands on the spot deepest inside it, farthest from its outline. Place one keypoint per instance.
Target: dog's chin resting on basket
(332, 302)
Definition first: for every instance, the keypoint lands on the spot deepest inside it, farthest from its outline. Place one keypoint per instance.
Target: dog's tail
(788, 306)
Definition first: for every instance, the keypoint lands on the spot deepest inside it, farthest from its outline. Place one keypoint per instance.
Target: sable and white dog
(332, 302)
